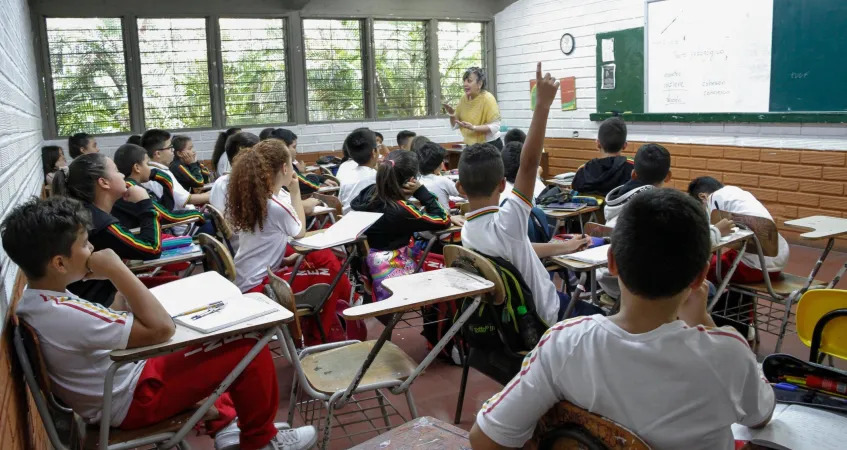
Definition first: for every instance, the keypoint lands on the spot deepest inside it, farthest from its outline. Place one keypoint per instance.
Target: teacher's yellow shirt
(482, 110)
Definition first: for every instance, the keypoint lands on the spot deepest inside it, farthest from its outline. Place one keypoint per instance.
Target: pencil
(198, 309)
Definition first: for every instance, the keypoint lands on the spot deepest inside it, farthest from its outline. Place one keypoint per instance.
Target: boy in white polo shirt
(502, 231)
(361, 146)
(675, 383)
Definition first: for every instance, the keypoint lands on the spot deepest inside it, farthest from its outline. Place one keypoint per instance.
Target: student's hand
(136, 194)
(545, 88)
(693, 311)
(576, 244)
(449, 109)
(725, 226)
(330, 183)
(102, 264)
(294, 186)
(458, 220)
(410, 187)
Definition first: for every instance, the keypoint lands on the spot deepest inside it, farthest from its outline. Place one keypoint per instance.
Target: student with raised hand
(77, 337)
(390, 254)
(189, 172)
(161, 152)
(82, 144)
(52, 160)
(601, 175)
(502, 231)
(220, 162)
(361, 145)
(94, 180)
(658, 367)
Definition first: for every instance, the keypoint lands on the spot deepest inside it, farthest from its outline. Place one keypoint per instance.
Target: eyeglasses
(171, 147)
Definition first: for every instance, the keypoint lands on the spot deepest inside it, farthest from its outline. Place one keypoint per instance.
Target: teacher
(477, 116)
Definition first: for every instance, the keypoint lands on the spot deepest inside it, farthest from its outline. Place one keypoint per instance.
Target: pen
(786, 387)
(204, 314)
(201, 308)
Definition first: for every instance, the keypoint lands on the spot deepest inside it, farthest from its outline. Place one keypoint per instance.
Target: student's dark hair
(392, 173)
(220, 145)
(237, 142)
(251, 183)
(480, 75)
(134, 139)
(652, 163)
(153, 139)
(76, 143)
(266, 133)
(285, 135)
(49, 155)
(480, 169)
(418, 142)
(511, 160)
(612, 135)
(701, 185)
(360, 144)
(128, 155)
(379, 135)
(179, 142)
(430, 157)
(661, 243)
(514, 135)
(80, 182)
(37, 230)
(403, 136)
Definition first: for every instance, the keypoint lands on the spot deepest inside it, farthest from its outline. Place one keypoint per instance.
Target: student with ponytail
(390, 253)
(95, 180)
(220, 162)
(266, 217)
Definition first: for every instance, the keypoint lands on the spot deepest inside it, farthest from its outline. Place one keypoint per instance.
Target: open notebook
(798, 427)
(200, 290)
(348, 229)
(596, 255)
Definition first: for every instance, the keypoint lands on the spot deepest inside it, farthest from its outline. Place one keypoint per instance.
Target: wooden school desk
(579, 266)
(268, 326)
(738, 238)
(561, 217)
(193, 258)
(423, 432)
(822, 227)
(329, 190)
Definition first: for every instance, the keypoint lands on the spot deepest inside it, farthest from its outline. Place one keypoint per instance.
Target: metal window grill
(88, 71)
(254, 77)
(400, 56)
(174, 73)
(334, 83)
(460, 46)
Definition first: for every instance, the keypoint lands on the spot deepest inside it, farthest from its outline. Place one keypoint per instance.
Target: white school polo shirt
(441, 187)
(352, 182)
(502, 232)
(76, 338)
(180, 193)
(675, 387)
(539, 187)
(260, 249)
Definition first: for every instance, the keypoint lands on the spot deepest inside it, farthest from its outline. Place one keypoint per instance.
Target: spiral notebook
(198, 291)
(797, 427)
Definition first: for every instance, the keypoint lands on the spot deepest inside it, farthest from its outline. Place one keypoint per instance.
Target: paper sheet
(798, 428)
(608, 50)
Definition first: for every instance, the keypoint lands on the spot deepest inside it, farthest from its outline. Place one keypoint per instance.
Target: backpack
(539, 229)
(328, 159)
(514, 323)
(553, 194)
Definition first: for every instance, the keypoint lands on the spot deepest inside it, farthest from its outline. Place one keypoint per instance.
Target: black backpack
(553, 194)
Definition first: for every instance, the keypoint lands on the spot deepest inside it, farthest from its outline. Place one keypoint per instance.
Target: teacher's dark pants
(497, 143)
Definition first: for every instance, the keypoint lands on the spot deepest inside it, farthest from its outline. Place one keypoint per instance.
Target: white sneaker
(293, 439)
(228, 437)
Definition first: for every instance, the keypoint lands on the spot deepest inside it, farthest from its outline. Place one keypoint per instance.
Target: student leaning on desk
(77, 337)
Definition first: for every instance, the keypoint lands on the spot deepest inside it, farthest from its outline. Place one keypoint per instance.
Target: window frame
(297, 96)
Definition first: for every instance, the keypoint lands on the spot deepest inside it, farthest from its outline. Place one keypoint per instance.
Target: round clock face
(567, 44)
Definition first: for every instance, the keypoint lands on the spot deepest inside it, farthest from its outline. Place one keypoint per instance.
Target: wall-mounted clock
(567, 43)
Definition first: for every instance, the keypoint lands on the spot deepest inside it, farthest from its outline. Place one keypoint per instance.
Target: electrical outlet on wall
(576, 134)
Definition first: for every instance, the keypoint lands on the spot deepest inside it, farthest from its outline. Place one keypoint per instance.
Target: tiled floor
(436, 391)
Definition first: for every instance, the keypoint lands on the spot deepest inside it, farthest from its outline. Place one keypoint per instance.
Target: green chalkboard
(809, 55)
(628, 94)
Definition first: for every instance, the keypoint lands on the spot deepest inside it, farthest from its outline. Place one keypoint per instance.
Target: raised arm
(546, 88)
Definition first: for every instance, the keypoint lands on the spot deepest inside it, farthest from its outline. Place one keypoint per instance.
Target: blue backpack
(539, 230)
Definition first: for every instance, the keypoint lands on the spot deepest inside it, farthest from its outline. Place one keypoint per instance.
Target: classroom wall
(529, 31)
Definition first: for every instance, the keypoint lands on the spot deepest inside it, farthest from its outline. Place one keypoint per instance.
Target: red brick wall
(790, 183)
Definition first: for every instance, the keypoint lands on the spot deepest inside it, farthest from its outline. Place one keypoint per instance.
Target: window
(401, 77)
(174, 73)
(89, 75)
(459, 47)
(254, 78)
(334, 84)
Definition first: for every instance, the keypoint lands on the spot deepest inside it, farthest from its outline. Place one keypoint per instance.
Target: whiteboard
(708, 55)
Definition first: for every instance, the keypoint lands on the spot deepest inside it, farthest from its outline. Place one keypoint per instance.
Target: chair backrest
(465, 208)
(331, 201)
(216, 256)
(812, 307)
(279, 290)
(327, 174)
(764, 229)
(454, 252)
(569, 426)
(596, 230)
(220, 222)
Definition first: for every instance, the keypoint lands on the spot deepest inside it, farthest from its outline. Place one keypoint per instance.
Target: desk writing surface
(421, 289)
(328, 189)
(560, 214)
(137, 265)
(823, 227)
(732, 239)
(184, 337)
(421, 433)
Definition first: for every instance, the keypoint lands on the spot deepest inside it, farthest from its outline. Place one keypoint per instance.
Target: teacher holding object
(477, 116)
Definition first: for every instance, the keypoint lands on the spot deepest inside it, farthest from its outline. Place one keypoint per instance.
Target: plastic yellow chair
(822, 323)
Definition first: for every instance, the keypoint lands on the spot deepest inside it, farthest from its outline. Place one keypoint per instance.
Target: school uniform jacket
(400, 219)
(128, 214)
(107, 232)
(309, 183)
(194, 175)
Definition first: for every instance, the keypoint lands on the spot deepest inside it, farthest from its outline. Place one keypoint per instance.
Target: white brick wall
(529, 31)
(311, 138)
(20, 122)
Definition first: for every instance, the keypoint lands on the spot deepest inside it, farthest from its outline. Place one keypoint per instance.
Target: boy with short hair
(82, 144)
(430, 164)
(514, 135)
(380, 147)
(48, 240)
(674, 383)
(361, 145)
(404, 139)
(714, 195)
(601, 175)
(511, 155)
(502, 231)
(161, 152)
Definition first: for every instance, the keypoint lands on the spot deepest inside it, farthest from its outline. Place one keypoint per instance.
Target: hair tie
(389, 161)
